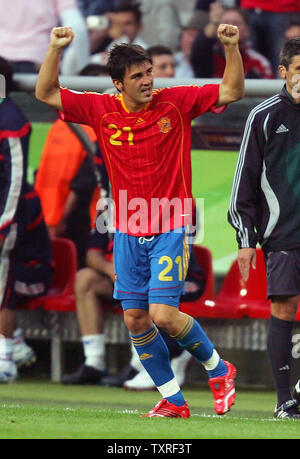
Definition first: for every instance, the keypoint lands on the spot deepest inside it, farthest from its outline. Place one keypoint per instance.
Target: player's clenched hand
(228, 34)
(246, 257)
(61, 37)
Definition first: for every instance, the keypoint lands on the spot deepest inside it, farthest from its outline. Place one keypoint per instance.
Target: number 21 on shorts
(168, 263)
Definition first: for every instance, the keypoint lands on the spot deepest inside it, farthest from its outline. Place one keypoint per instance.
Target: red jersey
(147, 154)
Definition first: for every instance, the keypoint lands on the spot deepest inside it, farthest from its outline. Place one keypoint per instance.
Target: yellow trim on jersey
(126, 109)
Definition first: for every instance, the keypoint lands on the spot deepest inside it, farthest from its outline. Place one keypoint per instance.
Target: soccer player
(145, 137)
(265, 209)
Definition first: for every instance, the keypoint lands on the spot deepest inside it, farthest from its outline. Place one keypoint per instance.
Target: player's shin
(154, 356)
(193, 338)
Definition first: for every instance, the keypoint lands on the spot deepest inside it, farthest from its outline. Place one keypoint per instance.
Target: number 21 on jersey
(117, 132)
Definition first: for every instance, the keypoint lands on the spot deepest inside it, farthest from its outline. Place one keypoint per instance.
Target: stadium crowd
(181, 38)
(187, 28)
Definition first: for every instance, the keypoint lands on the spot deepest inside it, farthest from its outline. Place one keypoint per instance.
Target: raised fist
(61, 37)
(228, 34)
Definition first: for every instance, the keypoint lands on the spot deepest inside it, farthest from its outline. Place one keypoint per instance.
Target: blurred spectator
(25, 28)
(97, 7)
(94, 70)
(184, 68)
(163, 20)
(165, 64)
(163, 61)
(204, 5)
(124, 26)
(25, 263)
(292, 30)
(208, 58)
(268, 20)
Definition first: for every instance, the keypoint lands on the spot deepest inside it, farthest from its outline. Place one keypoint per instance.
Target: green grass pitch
(44, 410)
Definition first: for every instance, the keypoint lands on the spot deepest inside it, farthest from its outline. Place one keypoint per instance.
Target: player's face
(137, 86)
(292, 77)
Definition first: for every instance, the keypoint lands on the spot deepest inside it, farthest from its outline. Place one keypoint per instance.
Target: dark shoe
(84, 375)
(296, 392)
(287, 410)
(118, 379)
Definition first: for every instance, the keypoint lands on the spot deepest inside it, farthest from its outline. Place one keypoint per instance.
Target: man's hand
(245, 257)
(228, 34)
(61, 37)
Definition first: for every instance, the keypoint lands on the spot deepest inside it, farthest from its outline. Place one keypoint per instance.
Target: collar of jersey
(296, 104)
(128, 111)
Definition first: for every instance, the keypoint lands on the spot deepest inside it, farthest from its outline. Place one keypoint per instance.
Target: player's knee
(84, 281)
(137, 321)
(285, 308)
(162, 320)
(164, 316)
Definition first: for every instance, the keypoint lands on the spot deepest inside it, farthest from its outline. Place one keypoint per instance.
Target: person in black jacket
(265, 209)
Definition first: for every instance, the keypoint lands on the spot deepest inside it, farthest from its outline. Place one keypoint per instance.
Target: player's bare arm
(47, 88)
(232, 87)
(246, 257)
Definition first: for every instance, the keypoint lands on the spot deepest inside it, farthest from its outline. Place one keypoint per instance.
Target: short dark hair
(123, 56)
(128, 7)
(290, 49)
(6, 69)
(159, 50)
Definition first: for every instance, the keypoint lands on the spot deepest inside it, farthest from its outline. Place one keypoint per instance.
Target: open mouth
(147, 92)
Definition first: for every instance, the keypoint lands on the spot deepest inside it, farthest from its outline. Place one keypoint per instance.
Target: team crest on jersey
(164, 125)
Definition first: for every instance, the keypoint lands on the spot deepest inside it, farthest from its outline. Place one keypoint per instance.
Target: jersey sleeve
(196, 100)
(242, 214)
(80, 107)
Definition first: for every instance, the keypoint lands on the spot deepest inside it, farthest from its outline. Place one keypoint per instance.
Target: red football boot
(223, 389)
(165, 409)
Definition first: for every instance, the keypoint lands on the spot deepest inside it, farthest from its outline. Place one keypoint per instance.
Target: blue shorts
(150, 269)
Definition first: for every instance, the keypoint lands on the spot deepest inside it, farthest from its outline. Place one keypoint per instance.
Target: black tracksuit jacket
(265, 199)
